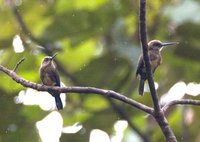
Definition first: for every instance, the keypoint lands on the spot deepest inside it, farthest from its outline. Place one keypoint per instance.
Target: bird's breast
(155, 61)
(47, 80)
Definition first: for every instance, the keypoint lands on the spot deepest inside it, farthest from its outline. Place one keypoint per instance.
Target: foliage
(97, 44)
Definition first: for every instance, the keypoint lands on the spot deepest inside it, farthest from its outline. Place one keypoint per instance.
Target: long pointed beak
(52, 57)
(169, 43)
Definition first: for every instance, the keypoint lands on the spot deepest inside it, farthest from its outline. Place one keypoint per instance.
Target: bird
(154, 51)
(50, 77)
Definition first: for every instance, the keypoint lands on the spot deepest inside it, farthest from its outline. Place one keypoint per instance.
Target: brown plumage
(50, 77)
(154, 47)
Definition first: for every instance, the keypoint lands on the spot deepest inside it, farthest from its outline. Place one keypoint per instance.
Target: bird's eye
(46, 60)
(157, 45)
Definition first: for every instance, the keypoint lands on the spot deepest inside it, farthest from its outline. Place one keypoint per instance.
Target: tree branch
(28, 33)
(158, 113)
(83, 90)
(17, 65)
(181, 102)
(143, 38)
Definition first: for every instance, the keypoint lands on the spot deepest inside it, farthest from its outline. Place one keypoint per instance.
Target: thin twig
(158, 114)
(181, 102)
(143, 38)
(17, 65)
(83, 90)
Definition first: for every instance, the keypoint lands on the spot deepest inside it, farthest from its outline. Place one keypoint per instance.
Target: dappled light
(50, 127)
(179, 90)
(100, 47)
(43, 99)
(193, 89)
(119, 127)
(97, 135)
(176, 92)
(100, 136)
(18, 44)
(72, 129)
(146, 87)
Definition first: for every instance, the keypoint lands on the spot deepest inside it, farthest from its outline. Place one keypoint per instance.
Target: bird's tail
(59, 104)
(141, 87)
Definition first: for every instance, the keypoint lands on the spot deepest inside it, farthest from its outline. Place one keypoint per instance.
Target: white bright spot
(18, 44)
(119, 127)
(176, 92)
(43, 99)
(20, 98)
(97, 135)
(50, 128)
(146, 86)
(132, 135)
(193, 89)
(72, 129)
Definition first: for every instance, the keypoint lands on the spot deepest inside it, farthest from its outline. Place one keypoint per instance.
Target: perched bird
(50, 77)
(154, 50)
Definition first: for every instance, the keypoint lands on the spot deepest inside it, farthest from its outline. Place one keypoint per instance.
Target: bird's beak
(52, 57)
(169, 43)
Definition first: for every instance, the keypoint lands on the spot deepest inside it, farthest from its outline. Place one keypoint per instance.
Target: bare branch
(143, 38)
(158, 114)
(181, 102)
(17, 65)
(83, 90)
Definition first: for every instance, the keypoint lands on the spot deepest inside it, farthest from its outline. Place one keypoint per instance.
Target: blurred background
(98, 45)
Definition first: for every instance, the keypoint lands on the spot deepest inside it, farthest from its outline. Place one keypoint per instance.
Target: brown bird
(154, 47)
(50, 77)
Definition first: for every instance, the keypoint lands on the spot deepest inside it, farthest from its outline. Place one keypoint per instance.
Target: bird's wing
(41, 75)
(140, 66)
(55, 78)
